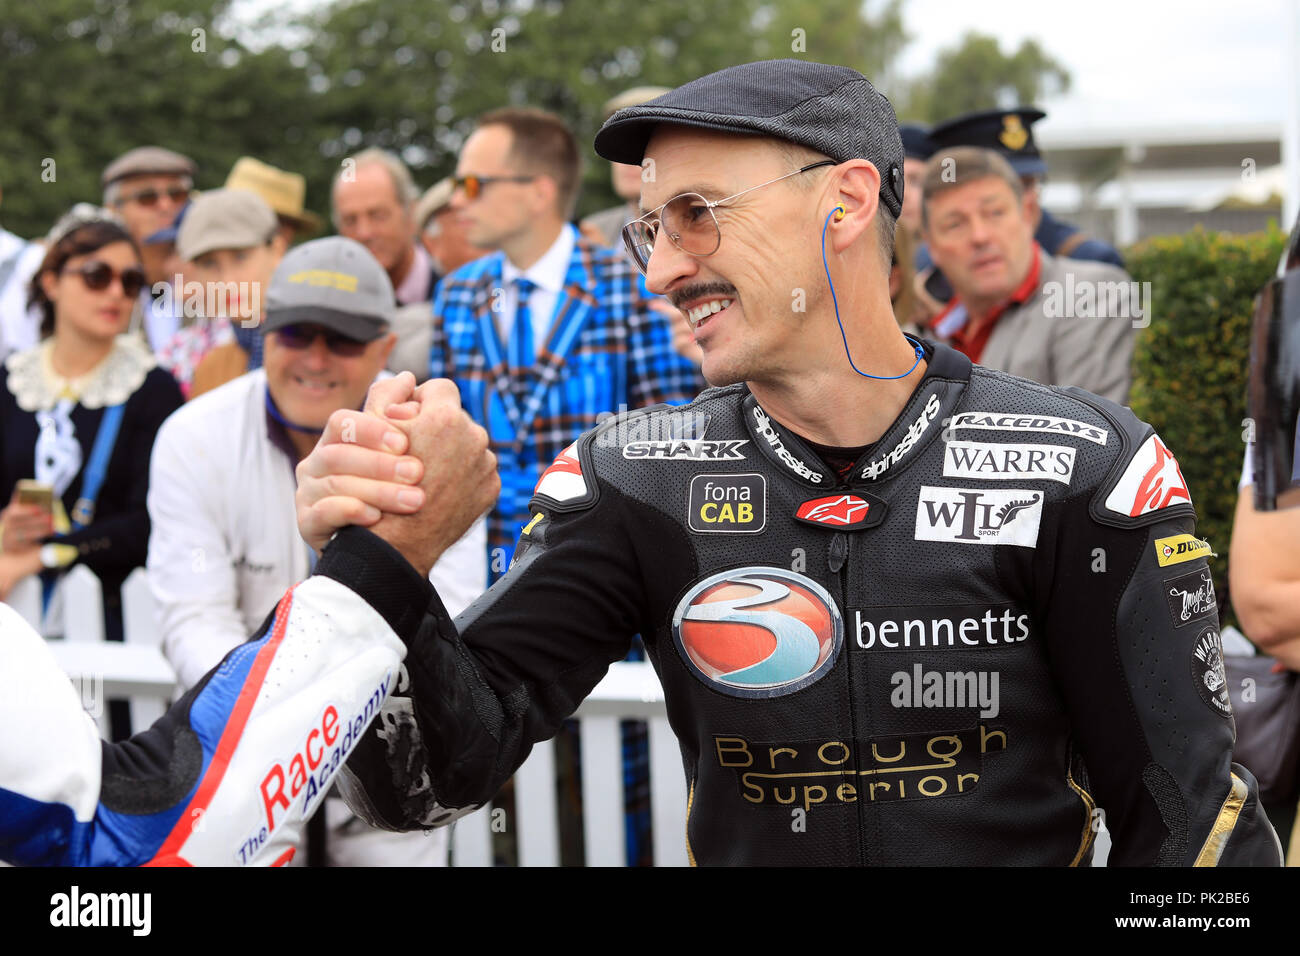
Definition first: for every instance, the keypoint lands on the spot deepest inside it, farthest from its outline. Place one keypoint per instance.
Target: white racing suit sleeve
(228, 776)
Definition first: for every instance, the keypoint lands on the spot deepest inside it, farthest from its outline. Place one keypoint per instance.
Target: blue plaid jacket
(606, 350)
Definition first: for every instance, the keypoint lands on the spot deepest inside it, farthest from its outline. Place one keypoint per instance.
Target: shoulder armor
(1144, 484)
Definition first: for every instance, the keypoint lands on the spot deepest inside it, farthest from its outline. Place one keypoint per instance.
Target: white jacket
(224, 543)
(273, 727)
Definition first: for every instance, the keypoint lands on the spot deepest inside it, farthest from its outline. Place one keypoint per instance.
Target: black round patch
(1208, 674)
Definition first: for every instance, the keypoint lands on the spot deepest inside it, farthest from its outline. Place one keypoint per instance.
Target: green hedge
(1189, 366)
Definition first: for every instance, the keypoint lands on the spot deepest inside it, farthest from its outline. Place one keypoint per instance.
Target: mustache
(700, 290)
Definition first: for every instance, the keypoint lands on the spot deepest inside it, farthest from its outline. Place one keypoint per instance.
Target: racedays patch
(1207, 672)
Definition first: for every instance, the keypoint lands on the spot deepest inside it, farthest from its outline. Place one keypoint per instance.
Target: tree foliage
(1190, 365)
(977, 75)
(82, 81)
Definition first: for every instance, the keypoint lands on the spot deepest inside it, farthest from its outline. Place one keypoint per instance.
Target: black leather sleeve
(505, 675)
(1134, 645)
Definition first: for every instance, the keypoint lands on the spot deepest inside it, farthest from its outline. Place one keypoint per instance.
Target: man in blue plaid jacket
(543, 337)
(549, 333)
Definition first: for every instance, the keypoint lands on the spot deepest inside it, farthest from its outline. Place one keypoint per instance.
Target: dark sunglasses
(149, 197)
(98, 276)
(473, 185)
(302, 336)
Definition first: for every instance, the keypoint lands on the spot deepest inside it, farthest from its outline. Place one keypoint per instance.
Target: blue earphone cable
(920, 353)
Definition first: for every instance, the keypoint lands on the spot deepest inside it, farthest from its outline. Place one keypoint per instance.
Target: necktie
(521, 350)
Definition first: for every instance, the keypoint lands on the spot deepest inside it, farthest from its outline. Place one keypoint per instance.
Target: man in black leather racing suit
(939, 617)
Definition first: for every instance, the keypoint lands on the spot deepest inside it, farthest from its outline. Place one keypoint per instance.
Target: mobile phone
(36, 493)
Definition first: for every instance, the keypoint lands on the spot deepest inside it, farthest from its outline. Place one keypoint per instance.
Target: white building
(1125, 184)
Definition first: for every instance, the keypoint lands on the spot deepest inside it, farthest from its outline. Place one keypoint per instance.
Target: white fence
(137, 670)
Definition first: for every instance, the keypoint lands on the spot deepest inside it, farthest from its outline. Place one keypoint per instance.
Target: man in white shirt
(224, 543)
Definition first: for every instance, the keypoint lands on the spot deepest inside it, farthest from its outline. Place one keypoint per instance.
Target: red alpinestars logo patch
(845, 512)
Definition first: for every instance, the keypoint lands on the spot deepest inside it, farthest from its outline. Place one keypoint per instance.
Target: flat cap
(831, 109)
(225, 219)
(1008, 132)
(334, 282)
(147, 161)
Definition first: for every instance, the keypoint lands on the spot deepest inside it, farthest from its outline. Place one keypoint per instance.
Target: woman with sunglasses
(78, 414)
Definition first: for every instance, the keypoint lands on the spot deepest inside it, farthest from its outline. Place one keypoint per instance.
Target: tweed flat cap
(831, 109)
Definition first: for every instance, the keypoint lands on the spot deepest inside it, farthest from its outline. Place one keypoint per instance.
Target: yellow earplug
(840, 211)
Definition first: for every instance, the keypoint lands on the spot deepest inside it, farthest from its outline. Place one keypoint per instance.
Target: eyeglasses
(98, 276)
(149, 197)
(473, 185)
(689, 222)
(302, 336)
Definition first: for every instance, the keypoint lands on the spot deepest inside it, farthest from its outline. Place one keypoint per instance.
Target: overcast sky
(1132, 61)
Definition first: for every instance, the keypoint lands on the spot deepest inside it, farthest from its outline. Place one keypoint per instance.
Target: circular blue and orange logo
(758, 631)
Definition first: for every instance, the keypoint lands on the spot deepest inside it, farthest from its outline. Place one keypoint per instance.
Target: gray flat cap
(831, 109)
(145, 161)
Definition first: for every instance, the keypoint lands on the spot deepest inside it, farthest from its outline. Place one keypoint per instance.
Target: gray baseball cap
(334, 282)
(831, 109)
(225, 219)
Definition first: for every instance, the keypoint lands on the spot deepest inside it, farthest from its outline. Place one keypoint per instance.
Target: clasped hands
(411, 466)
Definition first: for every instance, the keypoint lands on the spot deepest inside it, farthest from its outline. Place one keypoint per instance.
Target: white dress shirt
(547, 274)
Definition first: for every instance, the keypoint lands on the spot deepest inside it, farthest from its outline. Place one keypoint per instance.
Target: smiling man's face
(744, 300)
(308, 384)
(981, 236)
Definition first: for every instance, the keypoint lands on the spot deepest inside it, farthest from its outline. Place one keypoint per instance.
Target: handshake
(411, 466)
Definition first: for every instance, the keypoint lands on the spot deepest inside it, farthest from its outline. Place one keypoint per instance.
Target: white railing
(137, 670)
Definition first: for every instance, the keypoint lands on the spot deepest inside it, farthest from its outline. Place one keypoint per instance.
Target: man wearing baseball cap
(864, 569)
(224, 544)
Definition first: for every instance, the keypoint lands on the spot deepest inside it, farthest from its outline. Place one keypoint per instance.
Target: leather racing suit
(997, 623)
